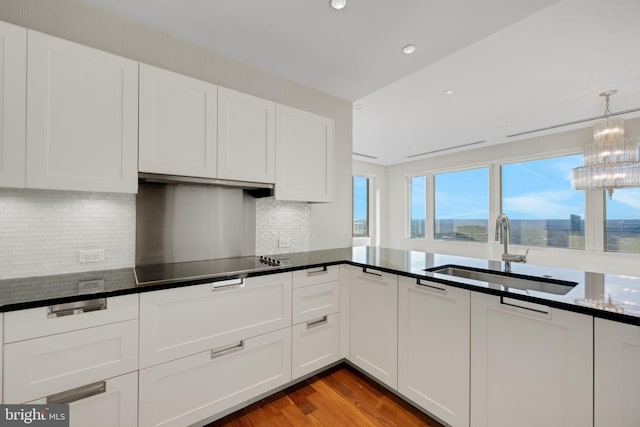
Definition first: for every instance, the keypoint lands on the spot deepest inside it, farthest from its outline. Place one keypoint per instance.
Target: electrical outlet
(284, 242)
(93, 255)
(90, 286)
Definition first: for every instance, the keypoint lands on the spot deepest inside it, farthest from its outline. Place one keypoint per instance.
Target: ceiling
(514, 65)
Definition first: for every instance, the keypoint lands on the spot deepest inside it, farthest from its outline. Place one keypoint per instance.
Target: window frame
(408, 199)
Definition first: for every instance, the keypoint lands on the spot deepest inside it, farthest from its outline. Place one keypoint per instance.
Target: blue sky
(359, 197)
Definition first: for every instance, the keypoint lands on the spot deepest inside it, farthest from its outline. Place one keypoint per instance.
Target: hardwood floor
(340, 396)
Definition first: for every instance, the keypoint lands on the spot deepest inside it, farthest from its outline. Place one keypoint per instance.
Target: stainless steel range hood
(256, 189)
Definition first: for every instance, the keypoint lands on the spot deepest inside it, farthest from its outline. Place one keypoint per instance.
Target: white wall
(569, 142)
(330, 224)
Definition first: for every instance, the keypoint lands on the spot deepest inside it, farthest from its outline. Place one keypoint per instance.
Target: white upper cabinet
(82, 115)
(178, 116)
(305, 156)
(13, 81)
(246, 137)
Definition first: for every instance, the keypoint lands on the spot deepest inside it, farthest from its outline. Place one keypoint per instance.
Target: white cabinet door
(183, 321)
(13, 83)
(305, 159)
(44, 366)
(531, 365)
(315, 301)
(82, 117)
(190, 389)
(617, 374)
(107, 403)
(177, 124)
(315, 345)
(374, 323)
(433, 348)
(59, 318)
(246, 137)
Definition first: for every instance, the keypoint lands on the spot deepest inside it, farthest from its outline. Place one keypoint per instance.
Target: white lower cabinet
(193, 388)
(374, 323)
(108, 403)
(531, 365)
(315, 344)
(44, 366)
(183, 321)
(617, 374)
(433, 348)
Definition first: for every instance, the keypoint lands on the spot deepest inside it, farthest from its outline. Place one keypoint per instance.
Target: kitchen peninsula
(427, 336)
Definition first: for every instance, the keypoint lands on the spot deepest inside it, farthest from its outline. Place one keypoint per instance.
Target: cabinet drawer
(312, 302)
(44, 366)
(56, 319)
(190, 389)
(315, 344)
(183, 321)
(313, 276)
(108, 403)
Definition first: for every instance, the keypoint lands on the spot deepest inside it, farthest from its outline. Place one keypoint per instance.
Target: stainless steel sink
(550, 286)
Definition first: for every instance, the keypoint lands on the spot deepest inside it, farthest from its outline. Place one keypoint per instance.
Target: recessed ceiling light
(449, 92)
(338, 4)
(409, 49)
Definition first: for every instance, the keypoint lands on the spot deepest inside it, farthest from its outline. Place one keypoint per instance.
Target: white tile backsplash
(42, 232)
(277, 220)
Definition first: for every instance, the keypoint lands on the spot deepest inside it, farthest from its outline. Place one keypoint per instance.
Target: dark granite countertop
(609, 296)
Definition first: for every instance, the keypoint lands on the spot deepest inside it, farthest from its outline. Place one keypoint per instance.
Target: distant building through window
(542, 207)
(360, 206)
(462, 205)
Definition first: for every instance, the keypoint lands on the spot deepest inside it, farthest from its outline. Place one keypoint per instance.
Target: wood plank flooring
(340, 396)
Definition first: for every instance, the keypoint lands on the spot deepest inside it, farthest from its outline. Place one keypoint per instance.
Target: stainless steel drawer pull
(226, 285)
(221, 351)
(431, 287)
(364, 270)
(78, 393)
(523, 305)
(313, 323)
(77, 307)
(319, 270)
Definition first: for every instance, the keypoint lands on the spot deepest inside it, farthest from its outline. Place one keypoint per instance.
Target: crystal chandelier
(611, 161)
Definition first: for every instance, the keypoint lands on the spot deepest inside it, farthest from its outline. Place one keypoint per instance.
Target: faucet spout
(503, 234)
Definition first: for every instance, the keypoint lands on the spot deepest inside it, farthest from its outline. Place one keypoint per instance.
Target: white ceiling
(514, 64)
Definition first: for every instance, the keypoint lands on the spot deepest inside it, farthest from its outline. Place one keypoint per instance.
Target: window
(542, 207)
(417, 206)
(622, 221)
(360, 206)
(461, 205)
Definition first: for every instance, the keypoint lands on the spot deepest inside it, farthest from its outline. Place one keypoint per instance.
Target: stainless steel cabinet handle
(79, 393)
(221, 351)
(430, 287)
(365, 271)
(226, 285)
(528, 307)
(314, 323)
(319, 270)
(77, 307)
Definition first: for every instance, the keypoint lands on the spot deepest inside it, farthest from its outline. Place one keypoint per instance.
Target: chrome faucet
(503, 234)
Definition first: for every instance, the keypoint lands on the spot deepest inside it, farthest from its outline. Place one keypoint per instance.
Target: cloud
(627, 198)
(543, 205)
